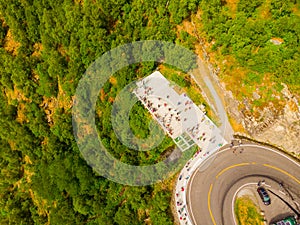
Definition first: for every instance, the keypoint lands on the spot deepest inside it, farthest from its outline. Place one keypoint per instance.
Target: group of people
(163, 110)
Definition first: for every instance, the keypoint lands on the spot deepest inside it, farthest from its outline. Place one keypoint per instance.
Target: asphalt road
(212, 187)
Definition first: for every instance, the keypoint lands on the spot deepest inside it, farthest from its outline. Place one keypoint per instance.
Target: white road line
(282, 192)
(202, 160)
(191, 213)
(267, 148)
(232, 202)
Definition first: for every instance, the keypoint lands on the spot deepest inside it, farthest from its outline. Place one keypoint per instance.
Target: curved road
(213, 185)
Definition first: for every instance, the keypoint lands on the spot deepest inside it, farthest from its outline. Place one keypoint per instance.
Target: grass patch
(247, 213)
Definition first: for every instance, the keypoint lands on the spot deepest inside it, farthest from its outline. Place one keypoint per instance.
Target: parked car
(264, 195)
(286, 221)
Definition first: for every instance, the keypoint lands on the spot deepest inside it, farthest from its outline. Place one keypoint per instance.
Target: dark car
(264, 195)
(288, 220)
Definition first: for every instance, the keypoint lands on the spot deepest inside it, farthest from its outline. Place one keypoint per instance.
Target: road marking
(282, 192)
(230, 167)
(283, 171)
(208, 203)
(234, 197)
(284, 155)
(189, 193)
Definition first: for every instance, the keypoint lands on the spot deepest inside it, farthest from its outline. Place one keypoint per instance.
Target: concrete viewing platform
(177, 114)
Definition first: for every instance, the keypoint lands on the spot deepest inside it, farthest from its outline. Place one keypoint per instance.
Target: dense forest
(261, 36)
(46, 46)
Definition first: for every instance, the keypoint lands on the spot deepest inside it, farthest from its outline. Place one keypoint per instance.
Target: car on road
(264, 195)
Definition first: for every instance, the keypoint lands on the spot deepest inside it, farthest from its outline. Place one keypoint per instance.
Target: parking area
(278, 209)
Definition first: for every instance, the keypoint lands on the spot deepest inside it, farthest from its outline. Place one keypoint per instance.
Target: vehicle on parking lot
(264, 195)
(286, 221)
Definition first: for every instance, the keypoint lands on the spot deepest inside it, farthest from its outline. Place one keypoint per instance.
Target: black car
(264, 195)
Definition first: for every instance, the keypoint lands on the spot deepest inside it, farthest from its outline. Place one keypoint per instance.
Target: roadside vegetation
(255, 44)
(246, 212)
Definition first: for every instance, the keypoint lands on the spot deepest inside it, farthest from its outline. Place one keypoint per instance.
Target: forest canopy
(47, 45)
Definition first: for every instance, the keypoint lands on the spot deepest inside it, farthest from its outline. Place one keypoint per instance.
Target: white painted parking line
(282, 192)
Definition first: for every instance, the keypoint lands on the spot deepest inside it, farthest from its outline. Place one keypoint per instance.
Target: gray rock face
(279, 128)
(285, 131)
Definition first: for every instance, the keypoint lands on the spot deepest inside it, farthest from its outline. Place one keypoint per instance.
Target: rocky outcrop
(279, 127)
(284, 131)
(276, 127)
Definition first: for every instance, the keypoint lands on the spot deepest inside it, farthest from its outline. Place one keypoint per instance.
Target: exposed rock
(256, 96)
(285, 132)
(277, 127)
(277, 41)
(285, 91)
